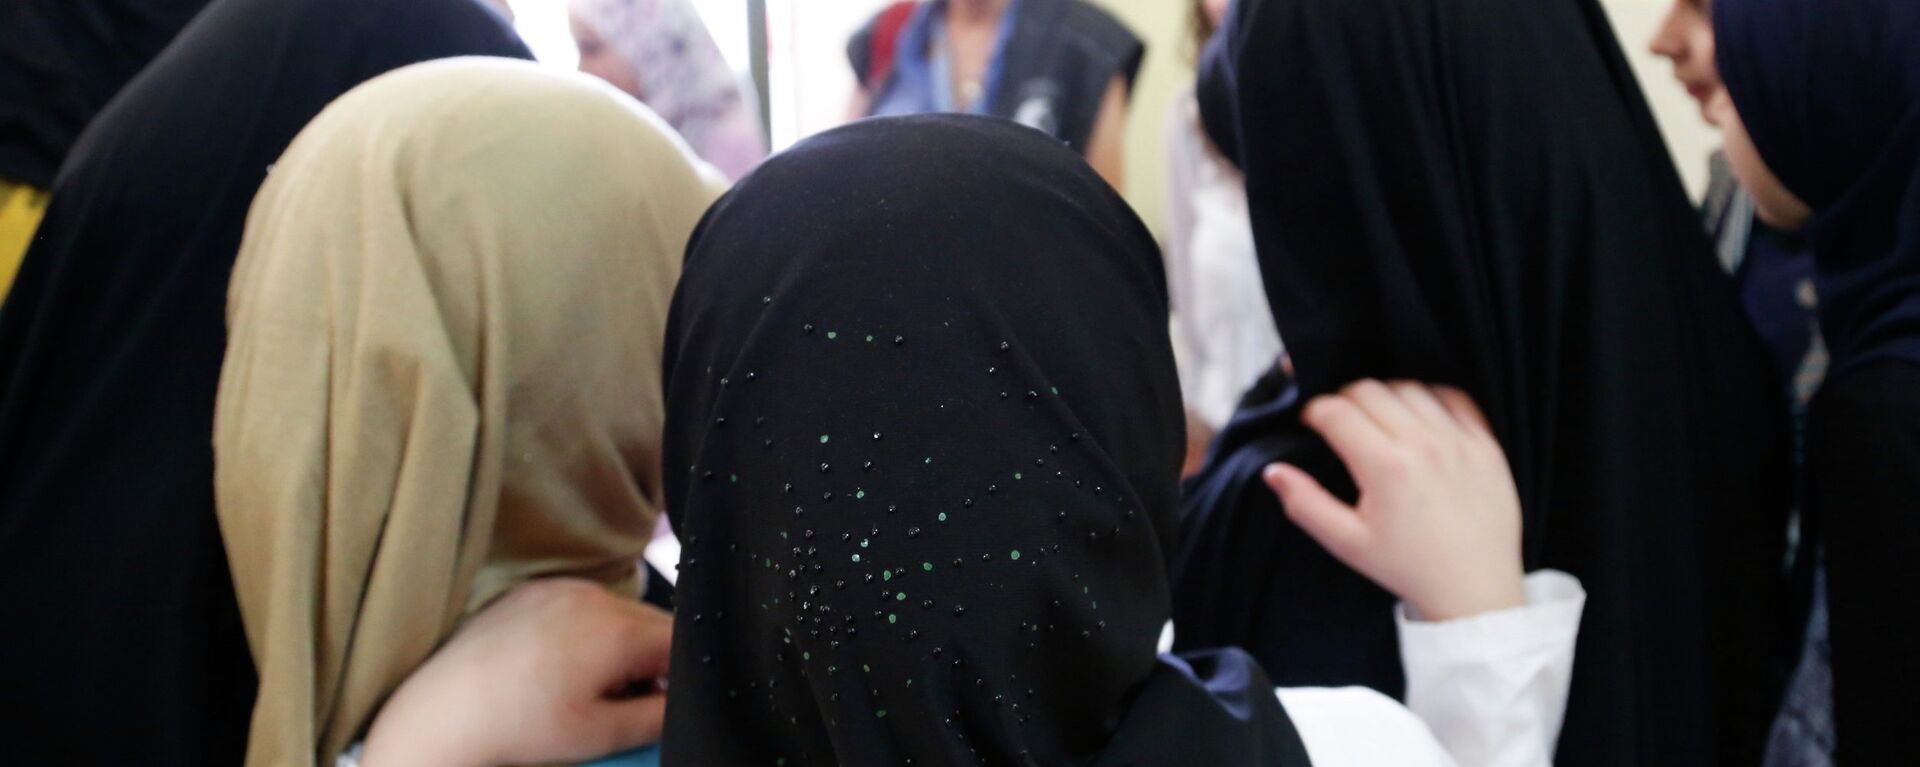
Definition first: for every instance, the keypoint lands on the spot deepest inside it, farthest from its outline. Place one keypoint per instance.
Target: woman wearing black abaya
(1824, 130)
(124, 644)
(60, 62)
(915, 513)
(923, 458)
(1475, 194)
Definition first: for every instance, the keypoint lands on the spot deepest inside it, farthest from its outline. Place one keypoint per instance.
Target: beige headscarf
(443, 373)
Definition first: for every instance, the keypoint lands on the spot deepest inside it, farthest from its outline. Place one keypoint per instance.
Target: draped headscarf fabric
(110, 345)
(1475, 194)
(1830, 94)
(683, 77)
(922, 444)
(60, 63)
(443, 377)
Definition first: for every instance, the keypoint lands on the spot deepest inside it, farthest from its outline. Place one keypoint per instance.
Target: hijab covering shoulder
(923, 437)
(683, 77)
(443, 377)
(1475, 194)
(110, 348)
(1830, 93)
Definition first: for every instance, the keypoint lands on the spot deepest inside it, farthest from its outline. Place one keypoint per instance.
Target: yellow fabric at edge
(21, 207)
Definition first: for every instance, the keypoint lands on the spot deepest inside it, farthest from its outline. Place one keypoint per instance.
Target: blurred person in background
(1062, 67)
(60, 62)
(1223, 335)
(659, 52)
(1773, 271)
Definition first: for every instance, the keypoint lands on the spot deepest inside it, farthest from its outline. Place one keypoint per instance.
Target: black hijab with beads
(923, 438)
(1475, 193)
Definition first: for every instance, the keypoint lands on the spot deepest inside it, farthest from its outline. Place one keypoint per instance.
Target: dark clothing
(61, 61)
(1863, 462)
(1773, 270)
(1476, 194)
(1213, 90)
(1830, 92)
(924, 464)
(123, 641)
(1774, 278)
(1051, 68)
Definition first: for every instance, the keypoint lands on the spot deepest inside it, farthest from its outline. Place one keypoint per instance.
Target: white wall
(807, 63)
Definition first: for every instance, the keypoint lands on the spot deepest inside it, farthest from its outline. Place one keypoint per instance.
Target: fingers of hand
(1355, 437)
(1383, 406)
(1419, 398)
(1334, 524)
(632, 723)
(646, 640)
(1464, 411)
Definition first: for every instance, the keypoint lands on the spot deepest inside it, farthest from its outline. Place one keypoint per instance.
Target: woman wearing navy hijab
(1827, 137)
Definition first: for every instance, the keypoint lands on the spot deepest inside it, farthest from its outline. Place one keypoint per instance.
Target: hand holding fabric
(1438, 519)
(543, 675)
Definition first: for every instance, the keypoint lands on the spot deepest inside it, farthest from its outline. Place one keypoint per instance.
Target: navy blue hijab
(1830, 93)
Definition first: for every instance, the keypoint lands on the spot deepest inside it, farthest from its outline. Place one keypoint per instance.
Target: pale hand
(540, 676)
(1438, 520)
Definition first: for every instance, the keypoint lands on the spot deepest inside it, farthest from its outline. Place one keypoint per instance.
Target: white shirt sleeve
(1358, 727)
(1485, 691)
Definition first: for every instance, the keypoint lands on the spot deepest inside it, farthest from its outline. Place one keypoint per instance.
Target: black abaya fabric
(1863, 445)
(923, 437)
(123, 642)
(1475, 193)
(61, 60)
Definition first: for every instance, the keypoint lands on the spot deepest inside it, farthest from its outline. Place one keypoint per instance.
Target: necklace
(970, 92)
(967, 86)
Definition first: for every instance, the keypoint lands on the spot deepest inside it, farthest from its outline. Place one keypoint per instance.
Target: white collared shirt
(1484, 691)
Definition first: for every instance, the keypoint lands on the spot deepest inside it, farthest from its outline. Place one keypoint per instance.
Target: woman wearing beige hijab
(442, 377)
